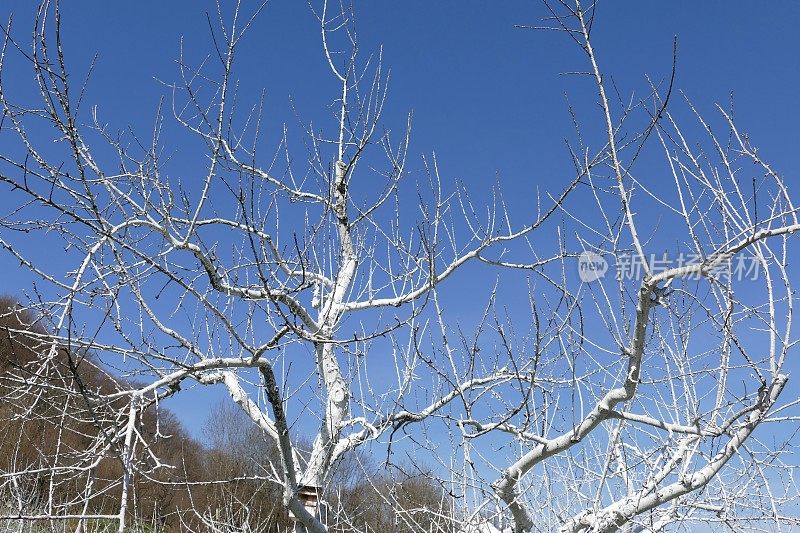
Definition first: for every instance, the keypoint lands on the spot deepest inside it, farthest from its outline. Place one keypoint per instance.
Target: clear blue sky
(486, 96)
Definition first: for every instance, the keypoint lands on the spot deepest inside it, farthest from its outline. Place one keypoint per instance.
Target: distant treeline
(61, 454)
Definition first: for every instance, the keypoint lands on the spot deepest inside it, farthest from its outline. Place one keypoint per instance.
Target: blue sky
(487, 97)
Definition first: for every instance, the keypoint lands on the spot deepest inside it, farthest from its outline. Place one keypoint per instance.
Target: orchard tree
(295, 279)
(642, 393)
(237, 271)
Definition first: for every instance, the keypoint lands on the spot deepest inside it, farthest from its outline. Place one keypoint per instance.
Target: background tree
(48, 453)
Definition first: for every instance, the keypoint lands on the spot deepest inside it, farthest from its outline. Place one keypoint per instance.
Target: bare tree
(641, 395)
(211, 282)
(620, 402)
